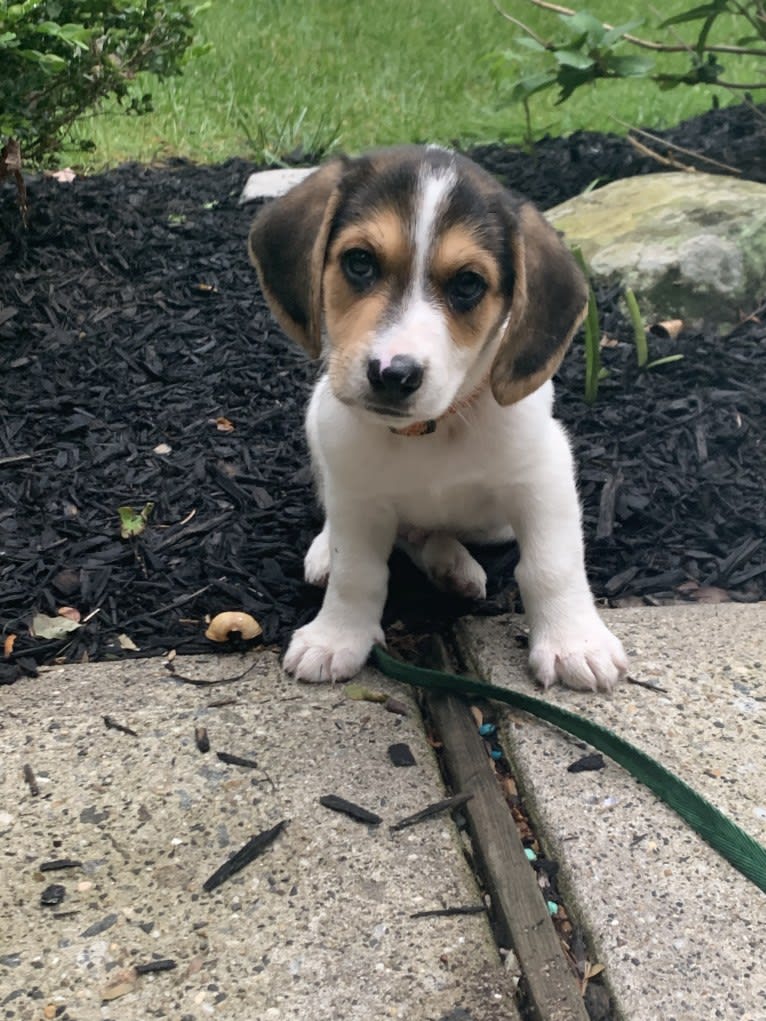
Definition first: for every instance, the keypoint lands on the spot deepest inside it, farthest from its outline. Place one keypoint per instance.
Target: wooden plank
(550, 987)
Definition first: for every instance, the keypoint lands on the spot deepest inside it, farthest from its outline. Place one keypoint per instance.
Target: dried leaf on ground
(43, 626)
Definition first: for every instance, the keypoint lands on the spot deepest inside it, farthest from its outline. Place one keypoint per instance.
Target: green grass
(350, 74)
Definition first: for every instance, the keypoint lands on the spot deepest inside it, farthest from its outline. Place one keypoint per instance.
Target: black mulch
(130, 323)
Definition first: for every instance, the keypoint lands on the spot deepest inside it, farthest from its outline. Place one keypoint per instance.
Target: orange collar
(425, 428)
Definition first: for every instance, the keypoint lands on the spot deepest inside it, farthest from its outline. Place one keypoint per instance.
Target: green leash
(723, 835)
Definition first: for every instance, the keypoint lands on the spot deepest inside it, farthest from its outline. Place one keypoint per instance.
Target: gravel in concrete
(319, 927)
(680, 931)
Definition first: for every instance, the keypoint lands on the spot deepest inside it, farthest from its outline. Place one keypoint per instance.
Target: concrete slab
(319, 927)
(679, 930)
(270, 184)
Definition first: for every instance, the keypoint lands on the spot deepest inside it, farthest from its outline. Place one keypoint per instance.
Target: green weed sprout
(639, 332)
(593, 371)
(639, 336)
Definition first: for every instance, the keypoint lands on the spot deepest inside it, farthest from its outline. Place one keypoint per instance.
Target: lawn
(349, 74)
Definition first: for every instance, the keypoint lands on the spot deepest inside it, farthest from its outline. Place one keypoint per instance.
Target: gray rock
(691, 246)
(270, 184)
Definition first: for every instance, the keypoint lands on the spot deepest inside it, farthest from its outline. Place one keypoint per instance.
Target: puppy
(441, 304)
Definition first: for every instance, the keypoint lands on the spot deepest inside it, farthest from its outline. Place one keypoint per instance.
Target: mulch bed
(140, 364)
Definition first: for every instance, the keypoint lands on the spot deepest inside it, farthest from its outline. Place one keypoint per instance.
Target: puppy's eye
(360, 268)
(465, 290)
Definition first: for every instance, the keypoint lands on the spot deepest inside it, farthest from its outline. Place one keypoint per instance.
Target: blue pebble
(552, 907)
(531, 855)
(486, 729)
(496, 753)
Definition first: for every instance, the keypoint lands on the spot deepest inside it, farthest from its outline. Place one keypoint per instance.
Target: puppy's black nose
(398, 380)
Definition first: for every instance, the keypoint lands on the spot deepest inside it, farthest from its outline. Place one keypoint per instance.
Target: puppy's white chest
(456, 480)
(461, 510)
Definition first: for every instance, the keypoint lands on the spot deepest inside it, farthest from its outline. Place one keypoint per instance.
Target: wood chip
(246, 854)
(52, 895)
(31, 780)
(587, 763)
(60, 863)
(338, 804)
(151, 967)
(237, 760)
(401, 755)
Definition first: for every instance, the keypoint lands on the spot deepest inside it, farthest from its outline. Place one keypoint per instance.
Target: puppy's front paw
(322, 652)
(583, 654)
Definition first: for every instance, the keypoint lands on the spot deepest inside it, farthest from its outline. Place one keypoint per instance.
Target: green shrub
(60, 58)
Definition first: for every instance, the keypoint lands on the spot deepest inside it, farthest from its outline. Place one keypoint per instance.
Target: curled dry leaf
(224, 425)
(667, 329)
(8, 644)
(224, 624)
(710, 594)
(697, 593)
(70, 612)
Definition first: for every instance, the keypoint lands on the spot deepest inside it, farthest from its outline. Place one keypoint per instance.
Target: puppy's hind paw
(589, 658)
(451, 567)
(316, 563)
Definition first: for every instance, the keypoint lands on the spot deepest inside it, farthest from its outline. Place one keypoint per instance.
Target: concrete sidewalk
(680, 931)
(319, 927)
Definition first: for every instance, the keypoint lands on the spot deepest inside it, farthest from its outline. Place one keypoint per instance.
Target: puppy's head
(418, 277)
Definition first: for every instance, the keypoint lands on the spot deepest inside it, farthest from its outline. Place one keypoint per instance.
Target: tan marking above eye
(383, 234)
(457, 250)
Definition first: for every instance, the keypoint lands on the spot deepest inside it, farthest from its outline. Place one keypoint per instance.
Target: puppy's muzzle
(397, 381)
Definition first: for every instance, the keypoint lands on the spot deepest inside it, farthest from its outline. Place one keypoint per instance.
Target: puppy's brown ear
(549, 303)
(287, 245)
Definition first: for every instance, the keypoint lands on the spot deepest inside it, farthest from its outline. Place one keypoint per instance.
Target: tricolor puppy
(440, 304)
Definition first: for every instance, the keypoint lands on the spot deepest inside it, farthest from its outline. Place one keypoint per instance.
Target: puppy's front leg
(568, 640)
(336, 644)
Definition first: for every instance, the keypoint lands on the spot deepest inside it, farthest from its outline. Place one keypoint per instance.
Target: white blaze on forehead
(435, 185)
(421, 329)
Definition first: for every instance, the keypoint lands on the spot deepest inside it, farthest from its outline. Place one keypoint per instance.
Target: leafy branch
(590, 49)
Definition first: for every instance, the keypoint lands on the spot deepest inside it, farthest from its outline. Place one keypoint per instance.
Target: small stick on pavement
(112, 724)
(255, 846)
(470, 909)
(31, 780)
(431, 810)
